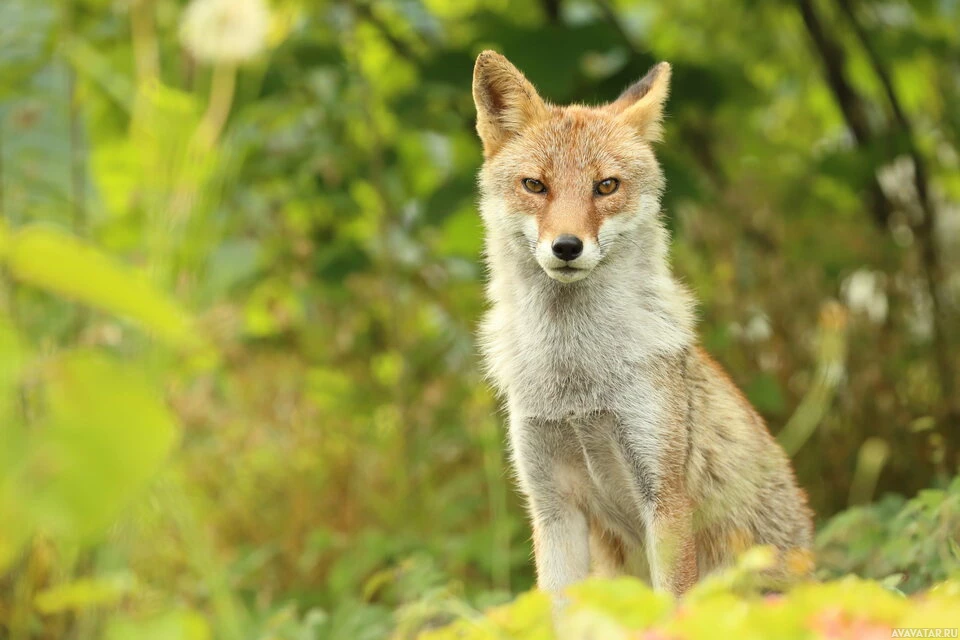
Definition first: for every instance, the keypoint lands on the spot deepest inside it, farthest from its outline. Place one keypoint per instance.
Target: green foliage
(907, 543)
(59, 264)
(625, 608)
(169, 626)
(90, 430)
(102, 434)
(239, 396)
(82, 594)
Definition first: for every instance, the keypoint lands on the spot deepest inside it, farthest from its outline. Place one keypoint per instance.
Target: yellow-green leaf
(61, 264)
(105, 433)
(177, 625)
(83, 594)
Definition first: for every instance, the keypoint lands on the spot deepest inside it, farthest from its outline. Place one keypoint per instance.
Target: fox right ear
(641, 105)
(506, 101)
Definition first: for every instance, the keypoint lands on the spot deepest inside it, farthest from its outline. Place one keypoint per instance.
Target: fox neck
(633, 286)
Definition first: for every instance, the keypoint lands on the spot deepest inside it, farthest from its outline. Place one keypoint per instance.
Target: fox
(626, 438)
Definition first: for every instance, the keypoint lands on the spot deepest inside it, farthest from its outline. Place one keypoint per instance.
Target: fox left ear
(642, 104)
(506, 101)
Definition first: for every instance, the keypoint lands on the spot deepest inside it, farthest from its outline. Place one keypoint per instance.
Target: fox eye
(606, 187)
(533, 185)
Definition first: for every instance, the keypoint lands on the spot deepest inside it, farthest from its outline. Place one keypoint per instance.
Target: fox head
(568, 184)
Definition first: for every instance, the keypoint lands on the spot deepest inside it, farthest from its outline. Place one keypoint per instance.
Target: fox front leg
(561, 548)
(551, 472)
(671, 543)
(656, 446)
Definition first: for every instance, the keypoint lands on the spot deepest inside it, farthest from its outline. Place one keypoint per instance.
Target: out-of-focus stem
(78, 158)
(146, 53)
(24, 590)
(871, 459)
(222, 87)
(2, 212)
(184, 196)
(832, 350)
(223, 84)
(201, 554)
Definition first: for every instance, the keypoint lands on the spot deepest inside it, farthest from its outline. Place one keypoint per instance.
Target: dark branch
(852, 105)
(924, 228)
(552, 10)
(403, 49)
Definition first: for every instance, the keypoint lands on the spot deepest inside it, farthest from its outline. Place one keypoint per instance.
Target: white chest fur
(557, 349)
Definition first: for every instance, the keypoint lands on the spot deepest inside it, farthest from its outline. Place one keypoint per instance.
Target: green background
(239, 385)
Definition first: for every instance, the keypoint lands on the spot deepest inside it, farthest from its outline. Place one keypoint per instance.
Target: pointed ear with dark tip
(642, 104)
(506, 101)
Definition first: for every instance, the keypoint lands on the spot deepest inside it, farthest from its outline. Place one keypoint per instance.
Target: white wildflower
(897, 181)
(229, 31)
(758, 328)
(863, 291)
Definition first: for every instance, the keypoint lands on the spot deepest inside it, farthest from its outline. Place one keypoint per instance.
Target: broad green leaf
(63, 265)
(83, 594)
(176, 625)
(628, 601)
(106, 432)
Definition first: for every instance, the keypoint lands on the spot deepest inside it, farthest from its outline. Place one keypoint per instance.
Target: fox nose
(567, 247)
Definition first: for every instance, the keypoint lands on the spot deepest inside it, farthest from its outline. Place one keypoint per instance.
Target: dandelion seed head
(225, 31)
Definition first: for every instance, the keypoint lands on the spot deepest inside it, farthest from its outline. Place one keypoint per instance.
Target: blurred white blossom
(863, 291)
(756, 329)
(897, 180)
(229, 31)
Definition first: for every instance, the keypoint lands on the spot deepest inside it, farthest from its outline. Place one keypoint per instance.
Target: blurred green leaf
(61, 264)
(176, 625)
(83, 594)
(104, 434)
